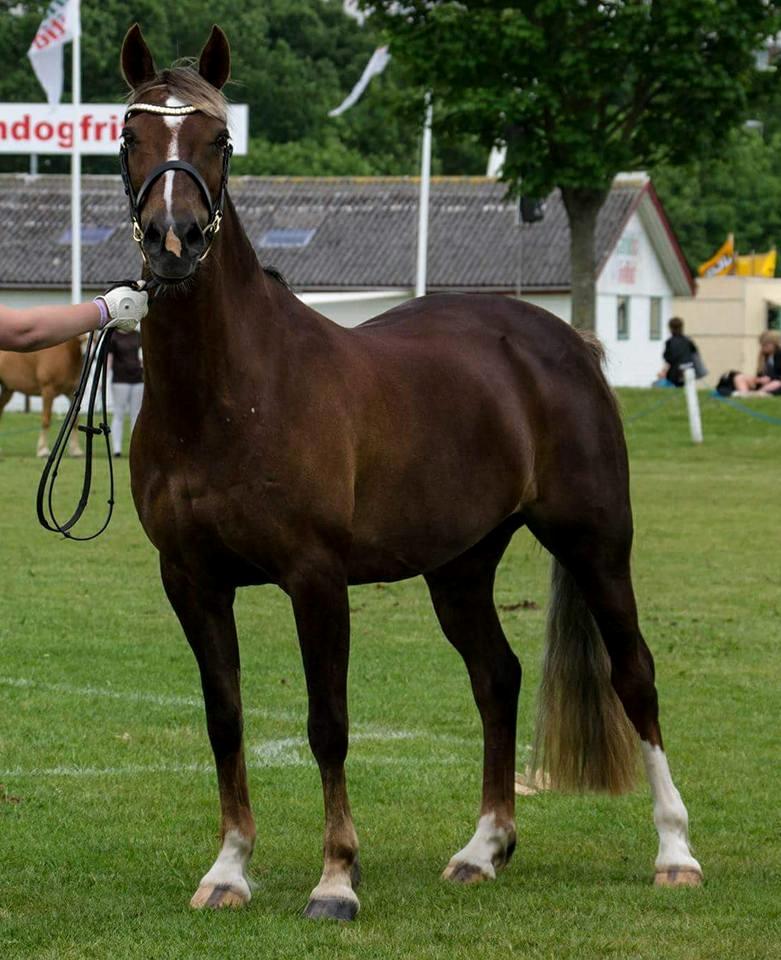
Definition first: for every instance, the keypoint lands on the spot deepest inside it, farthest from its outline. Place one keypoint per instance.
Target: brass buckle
(214, 227)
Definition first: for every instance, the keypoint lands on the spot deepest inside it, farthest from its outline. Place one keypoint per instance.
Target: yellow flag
(722, 261)
(756, 265)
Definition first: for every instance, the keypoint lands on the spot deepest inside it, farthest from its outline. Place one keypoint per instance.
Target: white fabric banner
(60, 25)
(377, 63)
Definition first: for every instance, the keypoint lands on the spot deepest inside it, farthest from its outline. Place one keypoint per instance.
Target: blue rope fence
(727, 401)
(657, 405)
(742, 408)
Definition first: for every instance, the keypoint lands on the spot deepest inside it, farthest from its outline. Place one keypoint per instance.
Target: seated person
(767, 382)
(679, 350)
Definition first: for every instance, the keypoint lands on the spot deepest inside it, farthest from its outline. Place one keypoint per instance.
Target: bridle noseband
(137, 200)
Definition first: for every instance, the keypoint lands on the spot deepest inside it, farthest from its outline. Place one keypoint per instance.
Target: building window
(655, 325)
(622, 318)
(279, 237)
(91, 236)
(773, 316)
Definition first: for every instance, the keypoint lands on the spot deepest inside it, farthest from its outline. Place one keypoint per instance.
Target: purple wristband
(104, 317)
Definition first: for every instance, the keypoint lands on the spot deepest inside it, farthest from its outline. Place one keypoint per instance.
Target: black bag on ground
(726, 384)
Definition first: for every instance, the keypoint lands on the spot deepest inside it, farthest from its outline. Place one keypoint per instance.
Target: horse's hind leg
(612, 603)
(206, 614)
(462, 593)
(593, 578)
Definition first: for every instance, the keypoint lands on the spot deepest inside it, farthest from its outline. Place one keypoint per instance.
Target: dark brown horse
(274, 446)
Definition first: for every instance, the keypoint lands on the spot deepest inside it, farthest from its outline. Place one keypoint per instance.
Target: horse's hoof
(678, 877)
(218, 895)
(42, 452)
(331, 908)
(459, 871)
(77, 453)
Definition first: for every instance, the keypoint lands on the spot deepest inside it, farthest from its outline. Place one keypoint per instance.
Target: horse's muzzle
(173, 249)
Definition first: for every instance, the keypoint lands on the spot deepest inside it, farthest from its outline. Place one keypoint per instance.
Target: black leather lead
(95, 358)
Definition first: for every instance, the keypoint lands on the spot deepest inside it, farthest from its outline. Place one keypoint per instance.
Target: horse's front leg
(205, 611)
(322, 615)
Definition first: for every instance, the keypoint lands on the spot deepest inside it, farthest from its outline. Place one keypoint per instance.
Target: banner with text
(39, 128)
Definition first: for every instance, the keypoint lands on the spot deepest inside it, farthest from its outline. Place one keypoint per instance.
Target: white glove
(125, 308)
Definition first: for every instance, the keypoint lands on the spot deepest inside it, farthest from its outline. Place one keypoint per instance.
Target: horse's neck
(232, 317)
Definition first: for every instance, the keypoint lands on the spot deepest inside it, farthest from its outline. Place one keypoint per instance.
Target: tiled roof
(364, 232)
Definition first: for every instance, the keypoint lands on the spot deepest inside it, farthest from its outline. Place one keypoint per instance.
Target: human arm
(39, 327)
(35, 328)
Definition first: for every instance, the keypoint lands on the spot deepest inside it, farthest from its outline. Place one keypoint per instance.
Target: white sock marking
(486, 847)
(228, 868)
(670, 816)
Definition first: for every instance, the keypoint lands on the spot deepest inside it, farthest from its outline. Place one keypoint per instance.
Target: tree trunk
(583, 206)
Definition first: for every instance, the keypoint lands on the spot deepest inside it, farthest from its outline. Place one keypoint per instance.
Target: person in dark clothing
(127, 386)
(767, 382)
(678, 351)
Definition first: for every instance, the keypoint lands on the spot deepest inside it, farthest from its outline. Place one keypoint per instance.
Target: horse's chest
(192, 514)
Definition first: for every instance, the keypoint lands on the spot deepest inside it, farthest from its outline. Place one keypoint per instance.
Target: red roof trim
(654, 197)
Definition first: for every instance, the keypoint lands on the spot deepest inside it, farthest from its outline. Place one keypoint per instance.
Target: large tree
(580, 90)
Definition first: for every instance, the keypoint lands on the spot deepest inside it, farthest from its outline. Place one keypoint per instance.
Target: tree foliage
(293, 60)
(582, 90)
(738, 192)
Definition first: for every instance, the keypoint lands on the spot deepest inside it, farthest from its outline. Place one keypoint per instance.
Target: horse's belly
(400, 534)
(17, 372)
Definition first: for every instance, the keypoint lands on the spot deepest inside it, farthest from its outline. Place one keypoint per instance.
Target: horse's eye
(222, 140)
(128, 136)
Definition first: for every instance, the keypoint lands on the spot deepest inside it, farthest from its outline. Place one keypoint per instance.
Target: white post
(692, 403)
(425, 180)
(76, 162)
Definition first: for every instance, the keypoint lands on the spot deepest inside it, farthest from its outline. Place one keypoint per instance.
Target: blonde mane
(186, 84)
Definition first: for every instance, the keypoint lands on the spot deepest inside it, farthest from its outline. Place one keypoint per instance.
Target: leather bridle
(137, 200)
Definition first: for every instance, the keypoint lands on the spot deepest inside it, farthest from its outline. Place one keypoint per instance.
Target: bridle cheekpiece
(137, 200)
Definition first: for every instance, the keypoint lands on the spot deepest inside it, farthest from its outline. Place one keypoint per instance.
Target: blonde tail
(584, 740)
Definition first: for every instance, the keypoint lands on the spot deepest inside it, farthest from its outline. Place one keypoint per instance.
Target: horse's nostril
(153, 235)
(194, 235)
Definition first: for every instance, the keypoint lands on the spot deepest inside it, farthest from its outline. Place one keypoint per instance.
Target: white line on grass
(267, 758)
(137, 696)
(364, 731)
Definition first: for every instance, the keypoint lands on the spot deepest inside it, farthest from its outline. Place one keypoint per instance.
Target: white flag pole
(76, 160)
(692, 402)
(425, 181)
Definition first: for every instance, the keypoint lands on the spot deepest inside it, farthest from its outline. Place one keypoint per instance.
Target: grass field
(108, 809)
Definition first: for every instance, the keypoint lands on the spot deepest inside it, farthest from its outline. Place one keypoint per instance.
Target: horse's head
(175, 154)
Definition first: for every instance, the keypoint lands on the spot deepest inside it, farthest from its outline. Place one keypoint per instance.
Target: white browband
(160, 109)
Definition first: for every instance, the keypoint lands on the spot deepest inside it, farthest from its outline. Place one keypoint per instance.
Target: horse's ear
(214, 64)
(137, 64)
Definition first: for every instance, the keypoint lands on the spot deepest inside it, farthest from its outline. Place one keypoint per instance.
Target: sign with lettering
(627, 256)
(40, 128)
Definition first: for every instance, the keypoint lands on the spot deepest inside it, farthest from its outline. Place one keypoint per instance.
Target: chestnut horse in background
(47, 374)
(274, 446)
